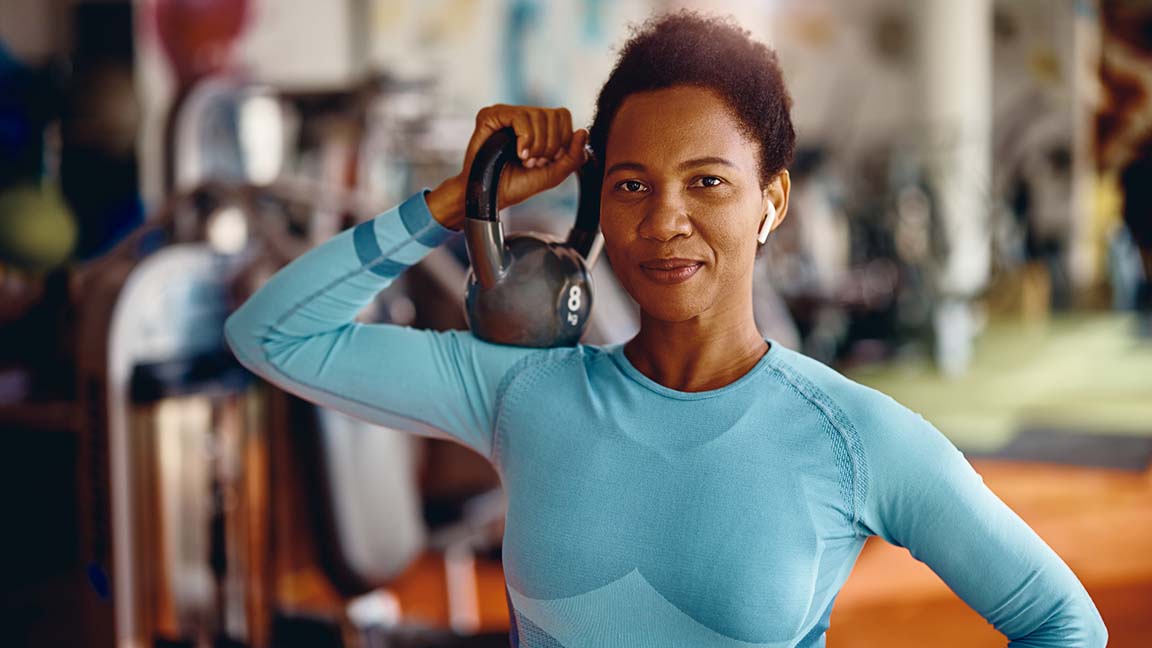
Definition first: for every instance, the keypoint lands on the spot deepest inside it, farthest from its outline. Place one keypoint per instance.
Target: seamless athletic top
(642, 516)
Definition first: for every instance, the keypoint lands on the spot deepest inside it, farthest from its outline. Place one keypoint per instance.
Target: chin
(668, 308)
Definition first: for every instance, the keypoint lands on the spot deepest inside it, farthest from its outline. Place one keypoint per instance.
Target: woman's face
(682, 203)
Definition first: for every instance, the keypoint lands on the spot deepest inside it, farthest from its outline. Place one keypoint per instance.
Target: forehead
(666, 126)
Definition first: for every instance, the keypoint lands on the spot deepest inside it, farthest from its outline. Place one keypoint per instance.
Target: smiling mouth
(670, 271)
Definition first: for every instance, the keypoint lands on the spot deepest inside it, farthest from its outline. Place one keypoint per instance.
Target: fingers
(539, 144)
(547, 147)
(491, 119)
(550, 135)
(569, 158)
(521, 122)
(543, 135)
(556, 134)
(565, 126)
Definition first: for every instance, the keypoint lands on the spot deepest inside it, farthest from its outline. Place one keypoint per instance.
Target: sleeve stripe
(420, 227)
(416, 218)
(369, 252)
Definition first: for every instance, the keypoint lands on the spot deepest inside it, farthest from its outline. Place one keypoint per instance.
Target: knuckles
(498, 110)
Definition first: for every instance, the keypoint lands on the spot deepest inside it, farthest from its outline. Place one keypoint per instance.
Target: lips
(670, 271)
(668, 264)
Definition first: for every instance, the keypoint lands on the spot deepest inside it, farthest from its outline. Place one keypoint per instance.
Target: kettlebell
(526, 289)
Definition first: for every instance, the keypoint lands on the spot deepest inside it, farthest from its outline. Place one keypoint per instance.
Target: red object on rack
(197, 35)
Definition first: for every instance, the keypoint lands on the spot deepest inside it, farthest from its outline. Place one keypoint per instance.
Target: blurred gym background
(970, 231)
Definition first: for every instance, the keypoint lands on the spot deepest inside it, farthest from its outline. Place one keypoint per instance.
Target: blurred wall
(852, 68)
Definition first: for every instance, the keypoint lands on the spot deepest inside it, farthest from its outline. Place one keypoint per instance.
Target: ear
(776, 192)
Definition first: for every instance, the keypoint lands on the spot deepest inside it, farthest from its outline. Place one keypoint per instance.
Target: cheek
(616, 236)
(613, 251)
(733, 238)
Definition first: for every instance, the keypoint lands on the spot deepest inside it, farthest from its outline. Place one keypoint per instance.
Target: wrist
(446, 202)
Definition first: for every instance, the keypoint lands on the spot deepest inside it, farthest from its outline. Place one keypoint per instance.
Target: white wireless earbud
(769, 219)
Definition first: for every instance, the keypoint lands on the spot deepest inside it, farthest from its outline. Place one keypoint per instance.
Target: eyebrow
(687, 164)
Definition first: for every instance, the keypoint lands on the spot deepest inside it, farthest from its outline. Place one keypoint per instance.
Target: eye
(631, 186)
(708, 181)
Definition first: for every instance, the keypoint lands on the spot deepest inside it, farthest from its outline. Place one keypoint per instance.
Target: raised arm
(298, 330)
(923, 494)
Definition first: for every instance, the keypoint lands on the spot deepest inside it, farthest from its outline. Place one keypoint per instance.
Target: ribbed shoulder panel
(847, 447)
(516, 385)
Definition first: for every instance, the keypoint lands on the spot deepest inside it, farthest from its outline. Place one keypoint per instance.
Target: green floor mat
(1080, 375)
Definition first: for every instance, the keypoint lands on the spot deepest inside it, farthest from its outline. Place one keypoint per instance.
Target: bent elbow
(244, 341)
(1076, 624)
(1097, 631)
(1088, 618)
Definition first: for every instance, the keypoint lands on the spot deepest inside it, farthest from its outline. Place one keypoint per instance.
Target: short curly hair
(693, 49)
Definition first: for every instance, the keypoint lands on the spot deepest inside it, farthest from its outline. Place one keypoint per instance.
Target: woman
(698, 485)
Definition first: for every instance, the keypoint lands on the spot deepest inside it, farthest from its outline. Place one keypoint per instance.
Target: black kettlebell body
(526, 289)
(544, 299)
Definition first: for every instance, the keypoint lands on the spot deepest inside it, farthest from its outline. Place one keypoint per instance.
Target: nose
(665, 218)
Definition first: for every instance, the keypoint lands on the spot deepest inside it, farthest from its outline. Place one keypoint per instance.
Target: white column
(954, 80)
(1085, 65)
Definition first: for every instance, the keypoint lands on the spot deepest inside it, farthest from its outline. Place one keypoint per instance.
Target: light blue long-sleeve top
(642, 516)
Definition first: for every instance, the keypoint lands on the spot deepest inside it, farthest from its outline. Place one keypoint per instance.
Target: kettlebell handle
(483, 233)
(484, 176)
(586, 231)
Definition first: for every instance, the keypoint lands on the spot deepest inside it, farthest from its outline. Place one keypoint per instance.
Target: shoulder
(881, 434)
(532, 365)
(893, 451)
(851, 402)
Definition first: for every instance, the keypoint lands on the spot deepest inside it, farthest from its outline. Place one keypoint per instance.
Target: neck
(704, 353)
